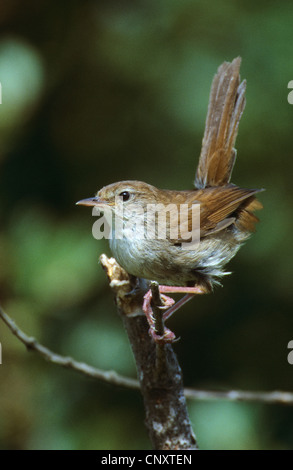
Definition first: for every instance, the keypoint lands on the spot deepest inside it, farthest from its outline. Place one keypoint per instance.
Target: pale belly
(162, 261)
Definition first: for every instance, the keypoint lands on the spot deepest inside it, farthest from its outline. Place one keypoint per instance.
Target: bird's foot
(168, 304)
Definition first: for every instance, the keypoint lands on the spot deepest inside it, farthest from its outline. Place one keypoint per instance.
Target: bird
(172, 252)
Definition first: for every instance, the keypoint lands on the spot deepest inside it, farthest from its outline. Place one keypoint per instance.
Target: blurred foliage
(97, 92)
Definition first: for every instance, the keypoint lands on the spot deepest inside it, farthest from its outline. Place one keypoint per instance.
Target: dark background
(95, 92)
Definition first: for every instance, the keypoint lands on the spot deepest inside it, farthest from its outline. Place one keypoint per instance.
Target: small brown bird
(226, 211)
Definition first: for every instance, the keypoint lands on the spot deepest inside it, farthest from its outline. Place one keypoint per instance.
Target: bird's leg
(189, 291)
(166, 336)
(169, 304)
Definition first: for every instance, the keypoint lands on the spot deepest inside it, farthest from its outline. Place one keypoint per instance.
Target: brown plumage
(226, 211)
(227, 102)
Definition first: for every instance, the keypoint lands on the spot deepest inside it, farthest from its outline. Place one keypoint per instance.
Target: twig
(276, 397)
(113, 378)
(32, 345)
(156, 303)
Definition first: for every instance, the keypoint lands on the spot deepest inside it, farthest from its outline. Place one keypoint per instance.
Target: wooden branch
(161, 387)
(113, 378)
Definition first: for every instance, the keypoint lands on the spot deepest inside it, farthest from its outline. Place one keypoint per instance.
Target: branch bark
(160, 380)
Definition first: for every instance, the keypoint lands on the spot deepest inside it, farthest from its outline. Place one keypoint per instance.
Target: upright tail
(226, 105)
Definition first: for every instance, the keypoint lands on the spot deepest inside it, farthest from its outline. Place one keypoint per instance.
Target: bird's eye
(125, 195)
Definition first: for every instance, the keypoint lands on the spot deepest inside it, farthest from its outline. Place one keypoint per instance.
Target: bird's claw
(167, 337)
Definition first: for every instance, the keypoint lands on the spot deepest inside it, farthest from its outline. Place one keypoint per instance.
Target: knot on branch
(128, 289)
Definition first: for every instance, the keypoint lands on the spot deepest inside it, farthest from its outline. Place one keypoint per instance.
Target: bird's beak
(91, 201)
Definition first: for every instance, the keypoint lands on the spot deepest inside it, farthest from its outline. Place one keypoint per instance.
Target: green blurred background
(95, 92)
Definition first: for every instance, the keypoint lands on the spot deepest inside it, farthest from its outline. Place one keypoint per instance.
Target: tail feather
(227, 102)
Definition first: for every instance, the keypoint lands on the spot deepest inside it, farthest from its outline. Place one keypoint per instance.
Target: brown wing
(226, 105)
(221, 207)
